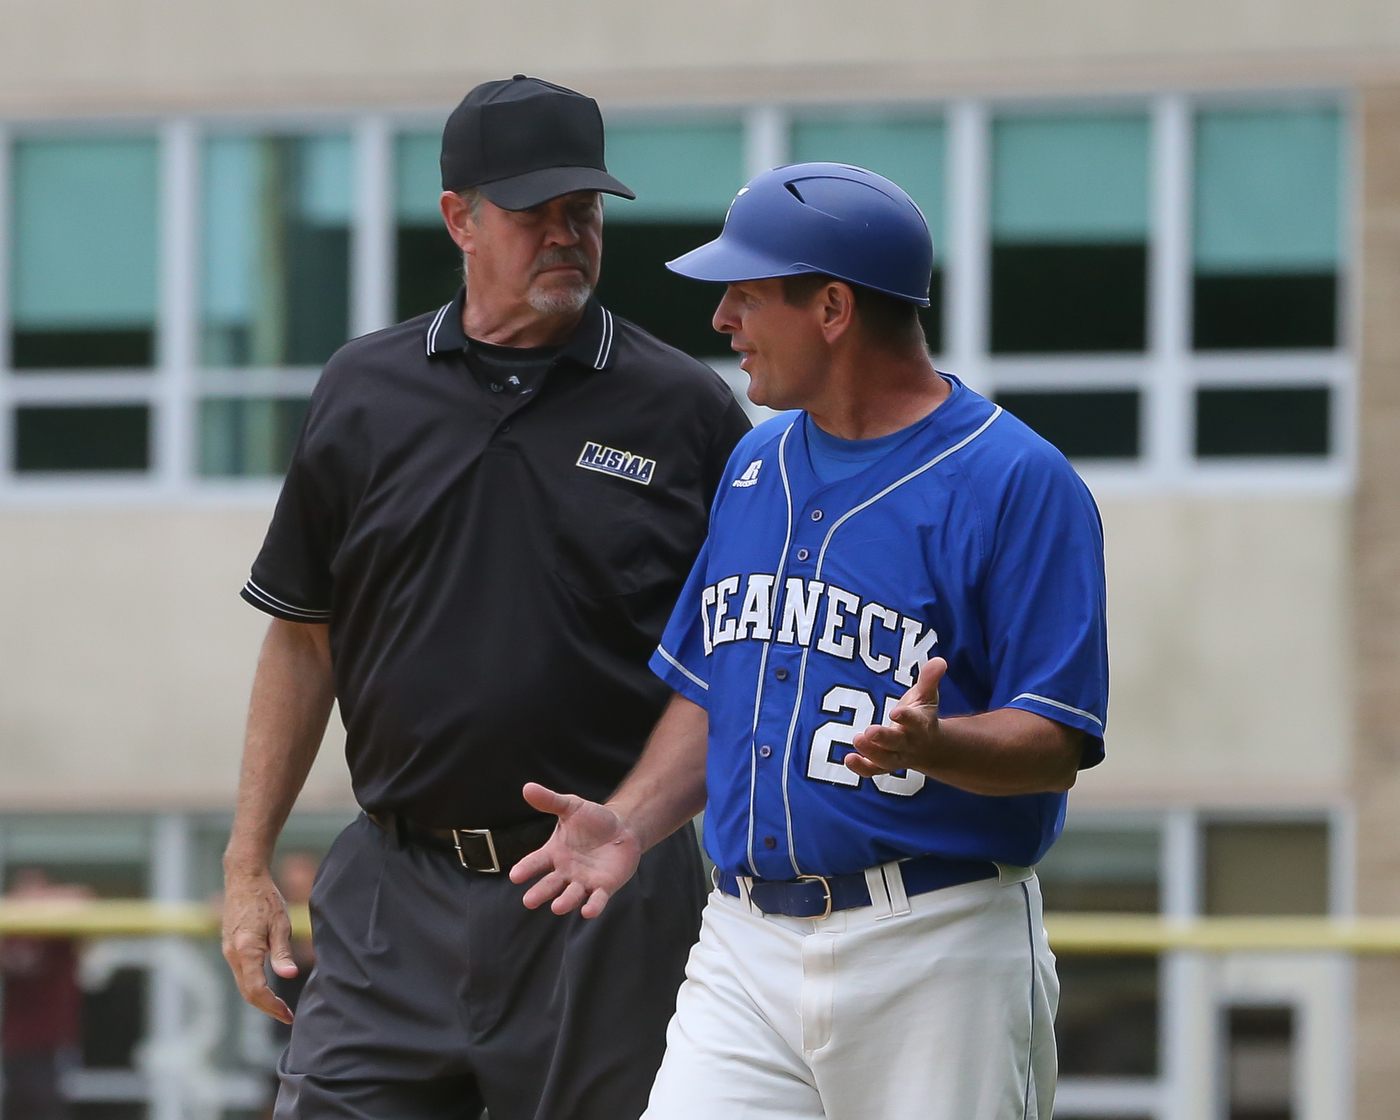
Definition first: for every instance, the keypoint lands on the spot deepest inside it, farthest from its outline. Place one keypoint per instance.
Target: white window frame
(1166, 374)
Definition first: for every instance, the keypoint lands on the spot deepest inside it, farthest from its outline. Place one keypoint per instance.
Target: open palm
(589, 857)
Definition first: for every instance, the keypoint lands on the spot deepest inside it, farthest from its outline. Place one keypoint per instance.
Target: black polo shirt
(495, 566)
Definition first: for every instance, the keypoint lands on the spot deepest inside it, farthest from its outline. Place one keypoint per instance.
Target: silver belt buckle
(825, 886)
(495, 868)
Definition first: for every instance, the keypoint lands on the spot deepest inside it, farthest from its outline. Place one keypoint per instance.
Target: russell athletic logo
(750, 475)
(624, 464)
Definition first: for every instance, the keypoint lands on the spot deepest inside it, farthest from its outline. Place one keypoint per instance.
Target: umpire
(488, 516)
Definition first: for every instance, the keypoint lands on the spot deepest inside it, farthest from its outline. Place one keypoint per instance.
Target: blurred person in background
(42, 1025)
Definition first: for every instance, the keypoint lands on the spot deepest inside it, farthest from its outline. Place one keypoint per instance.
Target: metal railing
(1069, 933)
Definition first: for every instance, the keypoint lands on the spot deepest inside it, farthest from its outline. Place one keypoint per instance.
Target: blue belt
(816, 896)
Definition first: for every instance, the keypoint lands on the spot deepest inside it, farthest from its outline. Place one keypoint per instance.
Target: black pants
(32, 1087)
(436, 993)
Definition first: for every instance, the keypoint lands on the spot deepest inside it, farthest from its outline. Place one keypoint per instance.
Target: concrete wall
(148, 55)
(127, 657)
(1229, 651)
(1377, 552)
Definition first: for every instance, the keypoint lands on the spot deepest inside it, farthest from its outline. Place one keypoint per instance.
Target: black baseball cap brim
(533, 188)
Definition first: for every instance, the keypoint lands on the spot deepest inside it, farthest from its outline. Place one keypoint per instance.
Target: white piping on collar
(605, 343)
(436, 325)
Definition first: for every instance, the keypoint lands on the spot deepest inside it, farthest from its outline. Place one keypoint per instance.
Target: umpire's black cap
(524, 141)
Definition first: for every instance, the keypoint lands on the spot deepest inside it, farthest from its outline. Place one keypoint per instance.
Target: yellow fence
(1069, 933)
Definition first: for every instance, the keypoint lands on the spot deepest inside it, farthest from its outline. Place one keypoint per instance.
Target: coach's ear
(835, 307)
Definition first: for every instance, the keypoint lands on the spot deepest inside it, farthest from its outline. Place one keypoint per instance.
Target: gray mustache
(553, 258)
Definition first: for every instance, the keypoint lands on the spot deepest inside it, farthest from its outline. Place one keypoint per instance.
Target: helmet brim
(726, 262)
(722, 262)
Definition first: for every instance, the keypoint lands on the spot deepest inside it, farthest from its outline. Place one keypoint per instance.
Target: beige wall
(127, 657)
(1229, 650)
(138, 55)
(1377, 545)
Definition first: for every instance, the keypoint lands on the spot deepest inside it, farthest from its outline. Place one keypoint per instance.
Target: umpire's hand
(256, 926)
(590, 856)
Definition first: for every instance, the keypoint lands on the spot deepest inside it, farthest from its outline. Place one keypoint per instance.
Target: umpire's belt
(477, 849)
(816, 896)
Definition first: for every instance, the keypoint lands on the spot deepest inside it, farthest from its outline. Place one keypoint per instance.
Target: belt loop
(879, 895)
(894, 883)
(744, 883)
(398, 831)
(1008, 873)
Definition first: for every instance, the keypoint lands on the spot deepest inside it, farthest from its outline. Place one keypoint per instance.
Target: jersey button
(780, 673)
(764, 751)
(770, 842)
(496, 386)
(802, 554)
(503, 428)
(816, 515)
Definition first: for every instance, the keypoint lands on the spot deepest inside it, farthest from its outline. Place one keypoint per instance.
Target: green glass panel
(417, 178)
(910, 152)
(276, 249)
(248, 437)
(84, 233)
(1268, 189)
(1070, 179)
(679, 172)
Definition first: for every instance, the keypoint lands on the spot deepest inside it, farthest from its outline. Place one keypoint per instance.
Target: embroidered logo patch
(609, 460)
(750, 475)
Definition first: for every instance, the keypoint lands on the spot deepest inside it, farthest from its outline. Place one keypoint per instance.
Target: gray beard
(553, 302)
(556, 301)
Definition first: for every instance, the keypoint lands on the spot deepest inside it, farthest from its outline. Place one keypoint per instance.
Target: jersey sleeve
(291, 577)
(1044, 603)
(680, 659)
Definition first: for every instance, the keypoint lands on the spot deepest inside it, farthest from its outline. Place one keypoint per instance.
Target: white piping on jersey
(677, 665)
(763, 657)
(605, 343)
(1058, 704)
(435, 325)
(310, 614)
(821, 557)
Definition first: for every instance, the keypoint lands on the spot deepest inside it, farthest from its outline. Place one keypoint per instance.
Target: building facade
(1168, 237)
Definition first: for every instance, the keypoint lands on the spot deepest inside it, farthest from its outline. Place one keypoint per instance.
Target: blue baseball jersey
(812, 607)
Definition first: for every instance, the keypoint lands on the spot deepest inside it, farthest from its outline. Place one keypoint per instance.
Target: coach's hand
(591, 854)
(913, 741)
(256, 926)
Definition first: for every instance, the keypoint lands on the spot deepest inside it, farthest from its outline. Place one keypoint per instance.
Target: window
(84, 256)
(1069, 234)
(1267, 201)
(1107, 1021)
(1083, 424)
(82, 438)
(1232, 422)
(1266, 868)
(249, 435)
(685, 176)
(909, 152)
(429, 263)
(1213, 359)
(276, 276)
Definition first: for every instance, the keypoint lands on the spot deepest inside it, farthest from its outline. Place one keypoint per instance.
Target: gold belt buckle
(495, 868)
(825, 887)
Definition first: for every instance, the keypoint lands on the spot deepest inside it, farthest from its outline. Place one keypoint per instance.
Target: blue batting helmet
(831, 218)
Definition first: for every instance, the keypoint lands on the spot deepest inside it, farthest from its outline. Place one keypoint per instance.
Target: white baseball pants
(936, 1007)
